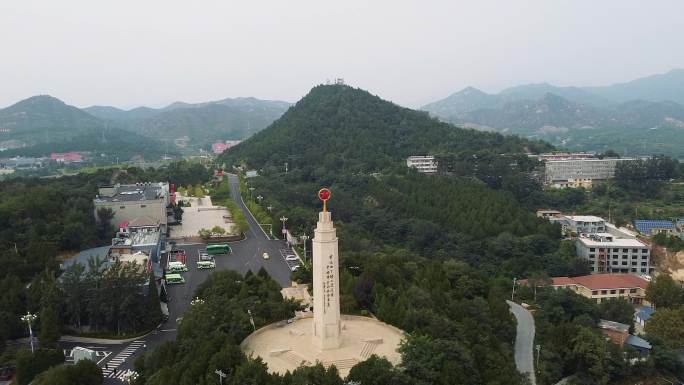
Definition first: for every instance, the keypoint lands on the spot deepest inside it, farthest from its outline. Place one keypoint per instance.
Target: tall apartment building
(579, 171)
(425, 164)
(132, 201)
(608, 254)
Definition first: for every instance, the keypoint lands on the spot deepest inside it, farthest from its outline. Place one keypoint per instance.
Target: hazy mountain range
(34, 124)
(640, 117)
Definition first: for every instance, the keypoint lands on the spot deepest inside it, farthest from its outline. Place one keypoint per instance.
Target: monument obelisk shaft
(326, 282)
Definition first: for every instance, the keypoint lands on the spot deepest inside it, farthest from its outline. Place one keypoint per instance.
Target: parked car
(266, 256)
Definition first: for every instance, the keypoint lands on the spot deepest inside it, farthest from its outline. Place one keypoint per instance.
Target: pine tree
(49, 327)
(154, 315)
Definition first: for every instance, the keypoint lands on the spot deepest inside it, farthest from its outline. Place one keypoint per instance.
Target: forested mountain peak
(337, 127)
(44, 111)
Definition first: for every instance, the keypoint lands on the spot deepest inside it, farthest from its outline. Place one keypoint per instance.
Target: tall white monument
(326, 282)
(321, 338)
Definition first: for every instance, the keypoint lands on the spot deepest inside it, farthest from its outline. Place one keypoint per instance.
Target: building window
(615, 262)
(644, 251)
(644, 271)
(604, 292)
(592, 249)
(634, 270)
(644, 263)
(644, 257)
(622, 291)
(634, 263)
(625, 250)
(635, 250)
(143, 206)
(594, 292)
(613, 292)
(122, 207)
(632, 291)
(624, 263)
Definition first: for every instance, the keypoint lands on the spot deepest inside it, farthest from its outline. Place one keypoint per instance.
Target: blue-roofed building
(639, 344)
(101, 253)
(652, 227)
(643, 315)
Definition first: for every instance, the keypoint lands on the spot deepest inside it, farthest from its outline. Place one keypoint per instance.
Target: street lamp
(197, 301)
(270, 208)
(251, 319)
(221, 375)
(304, 239)
(251, 190)
(29, 319)
(283, 219)
(260, 198)
(130, 377)
(513, 292)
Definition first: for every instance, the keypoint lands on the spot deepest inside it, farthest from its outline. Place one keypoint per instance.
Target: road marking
(169, 330)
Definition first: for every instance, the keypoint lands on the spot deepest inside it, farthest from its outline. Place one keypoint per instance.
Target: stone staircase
(346, 363)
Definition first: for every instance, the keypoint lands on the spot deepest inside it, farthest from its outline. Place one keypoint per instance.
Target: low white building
(607, 253)
(583, 224)
(425, 164)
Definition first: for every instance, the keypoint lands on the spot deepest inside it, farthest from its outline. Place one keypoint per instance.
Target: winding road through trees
(524, 340)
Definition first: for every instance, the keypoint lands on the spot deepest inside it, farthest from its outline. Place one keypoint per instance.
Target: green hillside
(40, 125)
(336, 128)
(428, 254)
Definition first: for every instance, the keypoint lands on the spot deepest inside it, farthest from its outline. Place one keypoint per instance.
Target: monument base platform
(284, 347)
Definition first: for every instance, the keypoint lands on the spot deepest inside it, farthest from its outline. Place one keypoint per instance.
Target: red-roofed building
(604, 286)
(66, 157)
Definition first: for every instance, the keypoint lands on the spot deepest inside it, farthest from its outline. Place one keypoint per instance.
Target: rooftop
(585, 218)
(608, 240)
(646, 225)
(130, 192)
(645, 312)
(612, 325)
(603, 281)
(638, 342)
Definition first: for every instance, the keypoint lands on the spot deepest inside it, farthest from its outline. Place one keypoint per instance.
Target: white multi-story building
(132, 201)
(579, 172)
(425, 164)
(582, 224)
(608, 254)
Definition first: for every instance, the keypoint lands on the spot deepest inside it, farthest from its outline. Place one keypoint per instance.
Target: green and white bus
(174, 278)
(177, 267)
(218, 248)
(206, 264)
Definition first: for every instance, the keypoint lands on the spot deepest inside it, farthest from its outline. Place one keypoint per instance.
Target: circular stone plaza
(324, 336)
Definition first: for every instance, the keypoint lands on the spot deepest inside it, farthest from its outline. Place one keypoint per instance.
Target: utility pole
(29, 319)
(251, 190)
(538, 350)
(285, 167)
(260, 198)
(513, 291)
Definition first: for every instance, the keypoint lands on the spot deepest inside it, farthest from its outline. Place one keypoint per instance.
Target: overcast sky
(147, 52)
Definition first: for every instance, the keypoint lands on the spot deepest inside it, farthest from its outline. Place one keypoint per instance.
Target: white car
(266, 256)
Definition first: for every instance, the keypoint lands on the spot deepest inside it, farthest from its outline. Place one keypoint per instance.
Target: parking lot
(290, 258)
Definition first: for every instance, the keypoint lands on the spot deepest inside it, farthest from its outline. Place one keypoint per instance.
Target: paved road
(247, 255)
(524, 340)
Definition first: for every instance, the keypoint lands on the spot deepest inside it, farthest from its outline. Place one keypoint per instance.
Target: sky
(148, 52)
